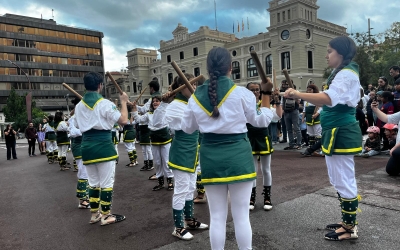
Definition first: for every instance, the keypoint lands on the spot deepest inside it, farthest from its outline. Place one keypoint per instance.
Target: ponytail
(212, 93)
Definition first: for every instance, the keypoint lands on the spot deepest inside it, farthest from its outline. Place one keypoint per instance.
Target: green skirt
(226, 159)
(260, 140)
(144, 134)
(129, 133)
(76, 147)
(183, 154)
(346, 140)
(114, 138)
(51, 136)
(160, 137)
(62, 138)
(97, 147)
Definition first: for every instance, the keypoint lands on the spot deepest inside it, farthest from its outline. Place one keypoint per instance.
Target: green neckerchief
(157, 93)
(91, 99)
(181, 98)
(352, 66)
(225, 87)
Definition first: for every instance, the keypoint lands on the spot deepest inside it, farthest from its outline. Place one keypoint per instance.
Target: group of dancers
(221, 127)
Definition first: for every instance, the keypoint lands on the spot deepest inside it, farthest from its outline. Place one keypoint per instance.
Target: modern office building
(50, 54)
(296, 39)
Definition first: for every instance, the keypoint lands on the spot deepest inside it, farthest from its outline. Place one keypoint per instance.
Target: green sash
(160, 137)
(144, 134)
(97, 147)
(62, 137)
(341, 134)
(260, 140)
(226, 158)
(76, 147)
(309, 113)
(225, 87)
(129, 133)
(183, 154)
(114, 138)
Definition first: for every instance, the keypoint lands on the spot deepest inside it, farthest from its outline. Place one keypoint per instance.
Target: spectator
(284, 87)
(395, 73)
(373, 144)
(369, 89)
(387, 108)
(291, 117)
(10, 141)
(31, 135)
(383, 84)
(391, 134)
(41, 141)
(370, 116)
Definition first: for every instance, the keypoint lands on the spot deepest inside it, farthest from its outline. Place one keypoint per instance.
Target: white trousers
(265, 164)
(147, 153)
(129, 146)
(82, 173)
(314, 130)
(185, 184)
(116, 148)
(218, 205)
(161, 156)
(342, 175)
(51, 146)
(101, 174)
(62, 150)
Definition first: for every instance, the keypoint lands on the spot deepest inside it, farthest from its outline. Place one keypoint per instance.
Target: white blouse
(73, 131)
(237, 110)
(62, 126)
(344, 89)
(155, 120)
(174, 114)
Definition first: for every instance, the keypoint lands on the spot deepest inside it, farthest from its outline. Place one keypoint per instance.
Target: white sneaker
(195, 224)
(182, 233)
(251, 207)
(267, 207)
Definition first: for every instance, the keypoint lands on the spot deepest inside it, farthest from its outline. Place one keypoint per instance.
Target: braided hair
(345, 47)
(218, 64)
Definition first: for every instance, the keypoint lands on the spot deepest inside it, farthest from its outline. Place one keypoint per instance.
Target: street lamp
(29, 95)
(67, 97)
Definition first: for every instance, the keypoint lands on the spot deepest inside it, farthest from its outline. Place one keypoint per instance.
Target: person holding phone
(10, 141)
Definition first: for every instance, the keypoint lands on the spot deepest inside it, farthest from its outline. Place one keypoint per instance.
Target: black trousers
(370, 119)
(11, 148)
(393, 165)
(31, 149)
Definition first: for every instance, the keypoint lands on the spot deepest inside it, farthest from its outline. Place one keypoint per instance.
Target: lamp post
(28, 97)
(67, 97)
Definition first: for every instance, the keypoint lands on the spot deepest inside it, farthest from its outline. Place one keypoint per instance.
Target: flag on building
(238, 27)
(233, 27)
(242, 25)
(248, 24)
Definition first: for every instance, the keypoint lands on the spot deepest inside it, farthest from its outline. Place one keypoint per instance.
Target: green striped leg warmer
(105, 200)
(94, 198)
(82, 189)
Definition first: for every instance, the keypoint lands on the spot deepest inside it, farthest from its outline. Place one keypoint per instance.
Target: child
(129, 139)
(373, 144)
(160, 140)
(62, 139)
(391, 134)
(387, 108)
(303, 127)
(312, 119)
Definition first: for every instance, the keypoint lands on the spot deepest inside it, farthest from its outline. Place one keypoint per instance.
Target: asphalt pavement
(39, 209)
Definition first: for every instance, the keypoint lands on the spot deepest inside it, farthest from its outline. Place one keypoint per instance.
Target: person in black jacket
(10, 141)
(31, 135)
(370, 114)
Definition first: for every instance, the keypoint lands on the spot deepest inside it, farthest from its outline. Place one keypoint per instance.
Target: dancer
(160, 140)
(82, 190)
(144, 135)
(183, 161)
(51, 139)
(95, 117)
(62, 140)
(129, 139)
(114, 139)
(341, 135)
(261, 145)
(312, 118)
(220, 110)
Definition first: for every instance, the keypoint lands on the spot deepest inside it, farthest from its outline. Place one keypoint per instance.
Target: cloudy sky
(143, 23)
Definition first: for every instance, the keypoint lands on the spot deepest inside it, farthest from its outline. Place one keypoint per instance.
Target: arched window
(251, 68)
(235, 70)
(268, 65)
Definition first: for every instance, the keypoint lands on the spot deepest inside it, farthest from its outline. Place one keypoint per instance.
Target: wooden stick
(259, 67)
(196, 79)
(274, 78)
(181, 75)
(115, 83)
(137, 99)
(289, 81)
(72, 90)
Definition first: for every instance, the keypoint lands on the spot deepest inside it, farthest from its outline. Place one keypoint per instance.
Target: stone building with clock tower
(296, 39)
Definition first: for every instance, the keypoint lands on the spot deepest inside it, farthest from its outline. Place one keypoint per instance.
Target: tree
(15, 111)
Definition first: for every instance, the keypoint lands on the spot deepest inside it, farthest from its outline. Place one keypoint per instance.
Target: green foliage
(15, 111)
